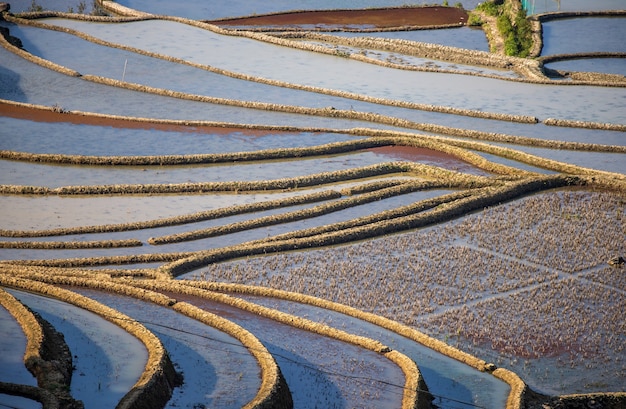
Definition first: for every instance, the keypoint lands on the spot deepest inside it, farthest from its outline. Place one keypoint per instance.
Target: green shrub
(511, 45)
(474, 20)
(517, 34)
(504, 25)
(489, 8)
(524, 34)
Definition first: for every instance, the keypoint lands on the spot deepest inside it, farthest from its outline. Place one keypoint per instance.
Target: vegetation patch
(512, 23)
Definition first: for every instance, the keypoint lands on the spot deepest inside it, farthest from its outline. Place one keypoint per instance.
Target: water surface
(107, 360)
(584, 35)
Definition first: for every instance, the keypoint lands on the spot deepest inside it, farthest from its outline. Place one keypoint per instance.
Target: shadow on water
(13, 346)
(11, 401)
(447, 392)
(310, 387)
(93, 387)
(10, 84)
(215, 371)
(452, 383)
(14, 34)
(197, 388)
(198, 354)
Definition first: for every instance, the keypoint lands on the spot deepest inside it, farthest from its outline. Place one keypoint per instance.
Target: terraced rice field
(340, 210)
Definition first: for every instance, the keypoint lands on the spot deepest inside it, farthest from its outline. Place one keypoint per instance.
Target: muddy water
(197, 9)
(71, 93)
(71, 139)
(219, 86)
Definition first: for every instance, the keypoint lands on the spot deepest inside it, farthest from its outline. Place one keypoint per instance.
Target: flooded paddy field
(308, 69)
(605, 65)
(225, 374)
(443, 376)
(586, 34)
(107, 360)
(610, 162)
(462, 37)
(323, 371)
(213, 234)
(495, 280)
(308, 222)
(547, 6)
(13, 345)
(20, 402)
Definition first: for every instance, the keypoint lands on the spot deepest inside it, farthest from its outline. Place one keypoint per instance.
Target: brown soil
(45, 115)
(380, 18)
(415, 154)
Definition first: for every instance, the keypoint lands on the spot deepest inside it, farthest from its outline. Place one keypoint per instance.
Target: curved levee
(415, 393)
(480, 192)
(33, 359)
(518, 387)
(159, 377)
(273, 391)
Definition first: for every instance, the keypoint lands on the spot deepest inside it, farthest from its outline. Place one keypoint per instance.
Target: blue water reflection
(584, 35)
